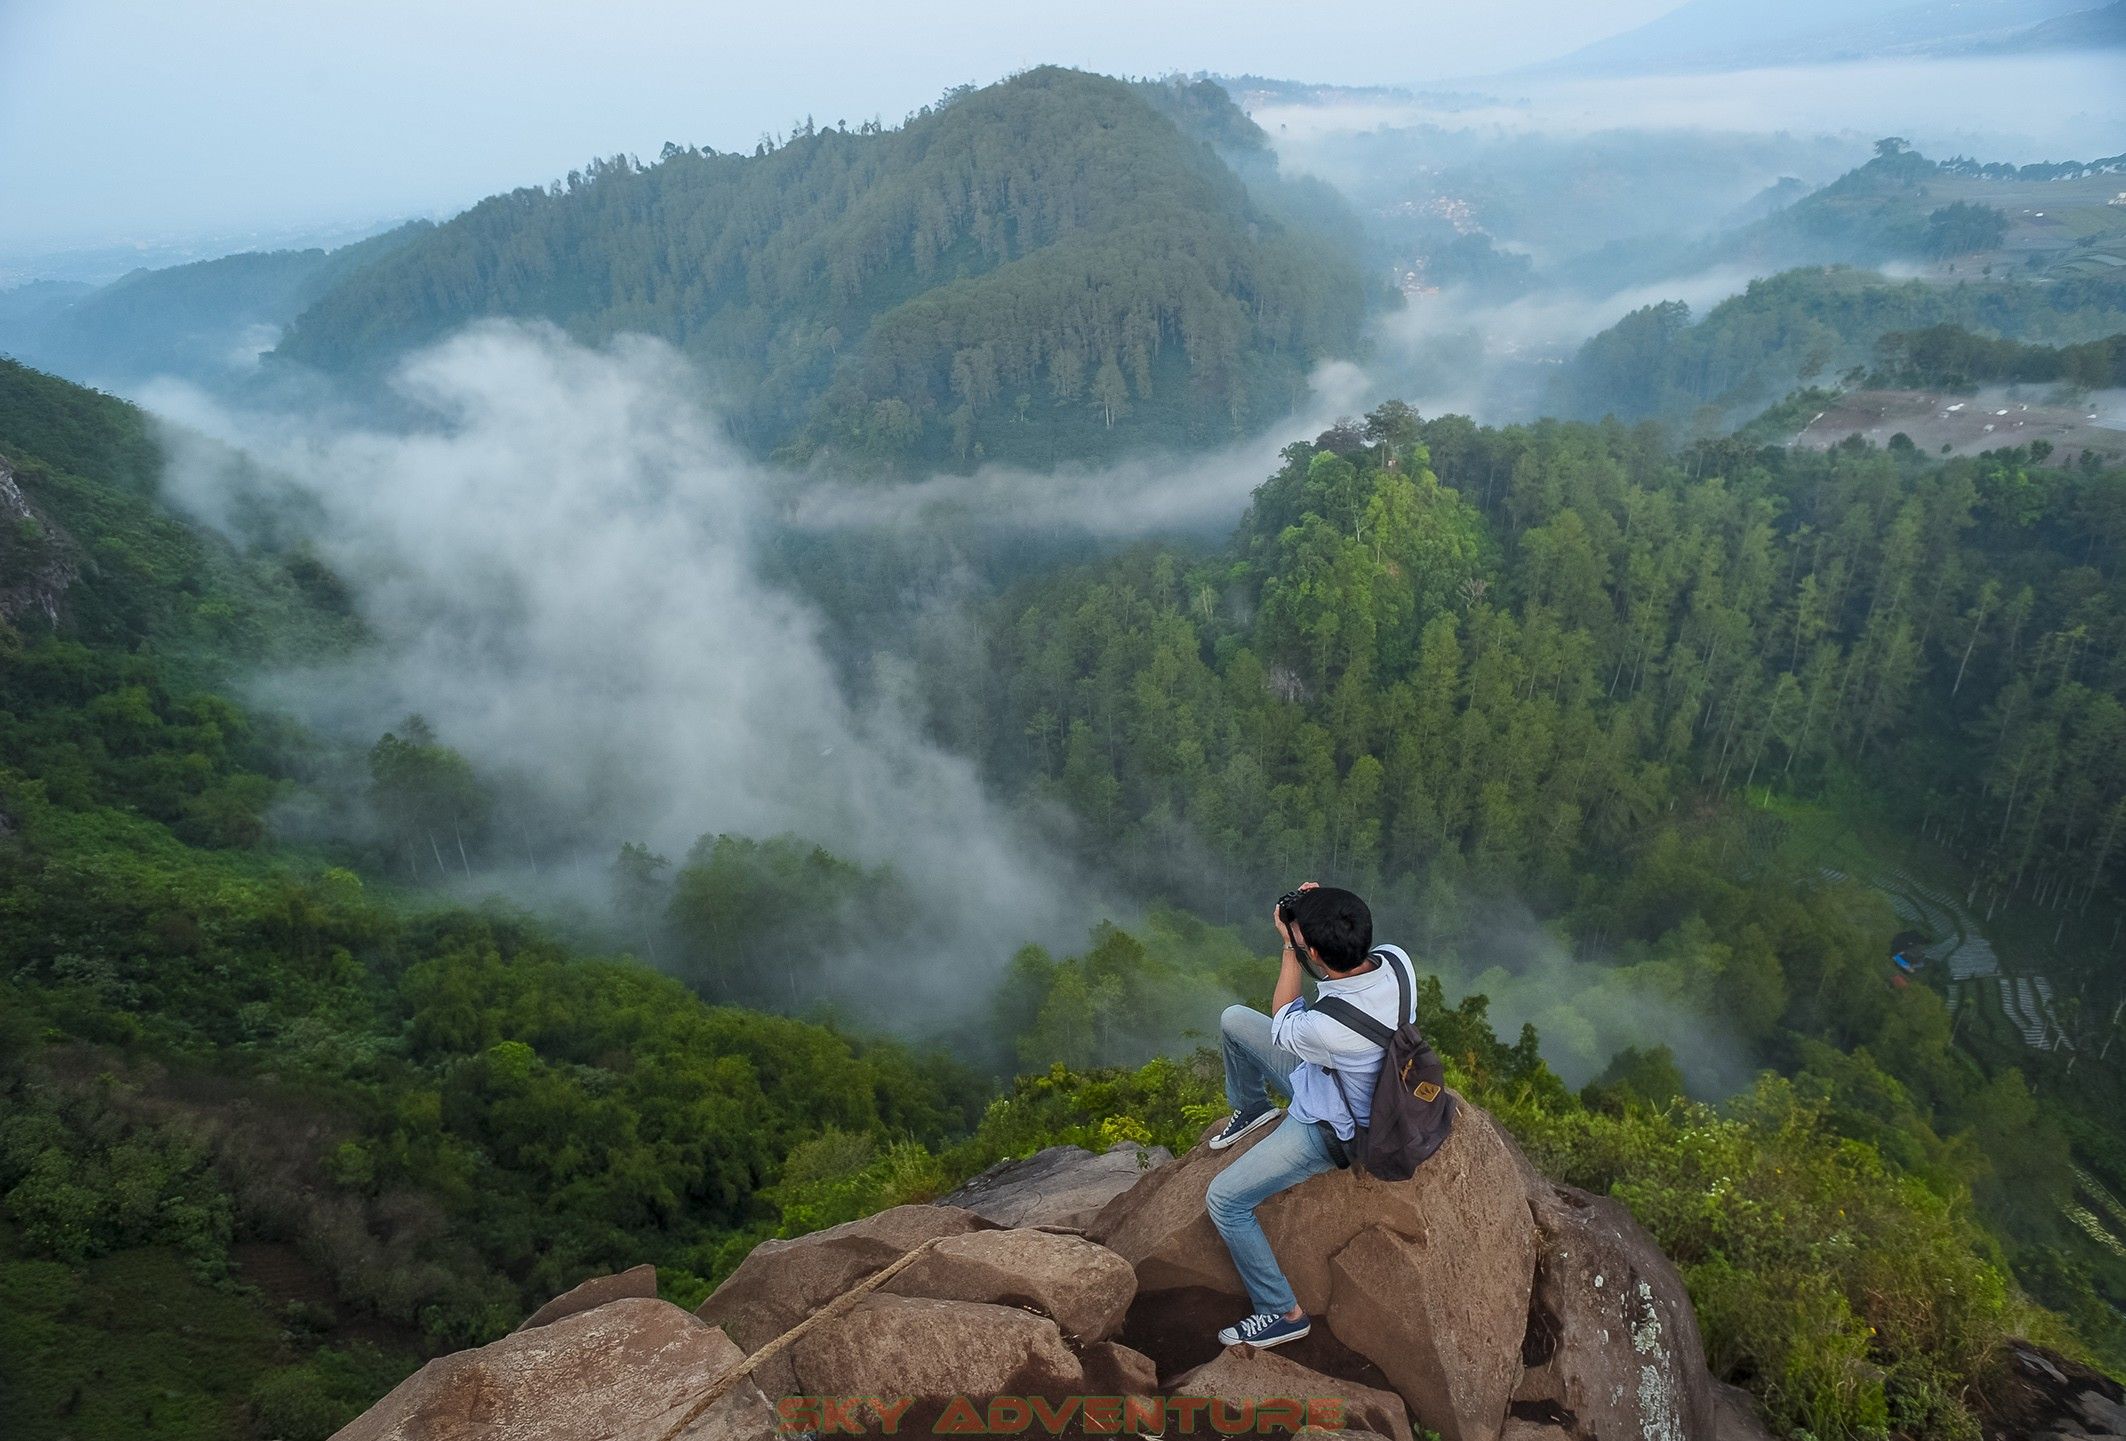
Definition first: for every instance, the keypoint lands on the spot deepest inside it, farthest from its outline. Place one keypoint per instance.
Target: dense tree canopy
(1498, 651)
(1039, 269)
(1547, 693)
(1748, 351)
(192, 320)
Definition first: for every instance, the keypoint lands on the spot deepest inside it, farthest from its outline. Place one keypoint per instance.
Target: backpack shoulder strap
(1337, 1009)
(1408, 1013)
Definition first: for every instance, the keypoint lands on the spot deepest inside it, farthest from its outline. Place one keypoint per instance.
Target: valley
(724, 695)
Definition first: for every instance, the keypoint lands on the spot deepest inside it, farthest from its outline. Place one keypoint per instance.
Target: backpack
(1412, 1108)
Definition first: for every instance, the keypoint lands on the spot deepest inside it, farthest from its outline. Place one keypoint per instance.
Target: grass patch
(132, 1344)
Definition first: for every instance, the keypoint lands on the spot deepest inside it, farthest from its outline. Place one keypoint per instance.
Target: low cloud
(1157, 493)
(556, 557)
(1456, 354)
(2020, 108)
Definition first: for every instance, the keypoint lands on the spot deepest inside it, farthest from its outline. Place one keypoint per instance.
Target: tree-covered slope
(1560, 669)
(272, 1126)
(1047, 267)
(199, 321)
(267, 1131)
(1961, 212)
(1751, 349)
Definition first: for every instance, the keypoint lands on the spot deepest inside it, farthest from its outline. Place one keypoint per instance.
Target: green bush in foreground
(1850, 1297)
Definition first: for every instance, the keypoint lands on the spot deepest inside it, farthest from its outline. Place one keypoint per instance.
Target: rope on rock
(724, 1384)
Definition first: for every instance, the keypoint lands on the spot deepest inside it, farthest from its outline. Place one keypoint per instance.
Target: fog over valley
(667, 681)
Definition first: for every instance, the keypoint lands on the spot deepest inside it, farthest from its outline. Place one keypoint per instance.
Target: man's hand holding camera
(1294, 948)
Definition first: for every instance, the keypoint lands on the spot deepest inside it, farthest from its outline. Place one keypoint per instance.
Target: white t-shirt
(1323, 1041)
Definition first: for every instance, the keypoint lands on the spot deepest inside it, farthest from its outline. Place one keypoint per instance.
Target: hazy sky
(131, 121)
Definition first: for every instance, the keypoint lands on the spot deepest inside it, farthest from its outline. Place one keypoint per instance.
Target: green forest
(1816, 325)
(186, 319)
(1558, 690)
(1048, 268)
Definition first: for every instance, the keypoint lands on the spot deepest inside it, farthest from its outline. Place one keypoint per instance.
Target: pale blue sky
(127, 121)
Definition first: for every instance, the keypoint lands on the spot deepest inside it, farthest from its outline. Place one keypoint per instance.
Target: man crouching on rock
(1328, 1070)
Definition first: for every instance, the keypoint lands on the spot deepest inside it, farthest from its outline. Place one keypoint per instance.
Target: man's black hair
(1336, 924)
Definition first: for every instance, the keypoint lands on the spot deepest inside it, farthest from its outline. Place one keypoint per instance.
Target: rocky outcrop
(632, 1367)
(1084, 1288)
(636, 1281)
(1476, 1300)
(927, 1351)
(1060, 1186)
(2042, 1396)
(37, 562)
(1452, 1354)
(1113, 1369)
(1275, 1387)
(781, 1282)
(1434, 1291)
(1612, 1347)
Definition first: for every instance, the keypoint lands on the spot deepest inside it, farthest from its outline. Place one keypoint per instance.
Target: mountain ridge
(1052, 265)
(194, 320)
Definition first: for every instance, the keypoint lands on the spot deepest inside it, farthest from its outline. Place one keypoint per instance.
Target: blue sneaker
(1241, 1124)
(1264, 1330)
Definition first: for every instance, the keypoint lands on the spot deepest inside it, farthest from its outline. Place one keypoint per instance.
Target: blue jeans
(1293, 1151)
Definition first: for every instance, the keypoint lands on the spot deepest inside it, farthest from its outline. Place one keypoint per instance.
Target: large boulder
(630, 1368)
(1084, 1287)
(2040, 1394)
(1423, 1311)
(1451, 1252)
(637, 1282)
(745, 1414)
(1243, 1375)
(1059, 1186)
(1113, 1369)
(1612, 1347)
(927, 1352)
(781, 1282)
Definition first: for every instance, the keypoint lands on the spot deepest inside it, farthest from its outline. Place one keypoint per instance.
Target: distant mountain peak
(1043, 269)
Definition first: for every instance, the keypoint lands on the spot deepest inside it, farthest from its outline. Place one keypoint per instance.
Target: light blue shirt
(1322, 1041)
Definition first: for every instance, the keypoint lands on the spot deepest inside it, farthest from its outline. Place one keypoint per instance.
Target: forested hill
(201, 321)
(275, 1123)
(1045, 268)
(1805, 326)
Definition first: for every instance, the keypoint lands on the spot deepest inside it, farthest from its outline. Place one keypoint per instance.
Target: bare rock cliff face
(1476, 1300)
(37, 562)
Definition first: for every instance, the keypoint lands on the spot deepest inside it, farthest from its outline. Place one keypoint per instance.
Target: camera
(1284, 903)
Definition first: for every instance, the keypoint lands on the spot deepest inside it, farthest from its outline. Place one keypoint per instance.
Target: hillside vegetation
(201, 321)
(1804, 326)
(341, 1123)
(1046, 268)
(215, 1049)
(1561, 669)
